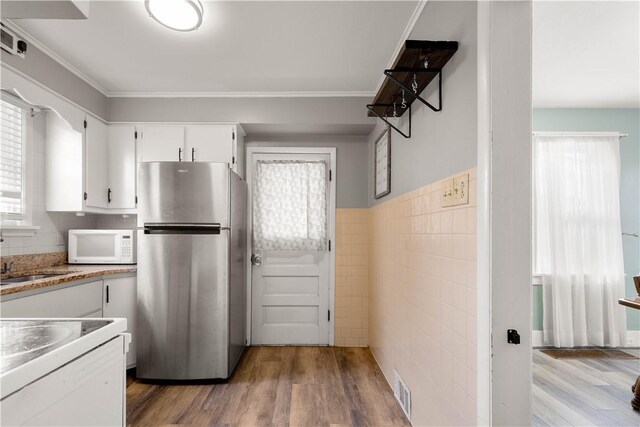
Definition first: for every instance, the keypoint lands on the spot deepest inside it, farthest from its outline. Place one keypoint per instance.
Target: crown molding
(319, 94)
(405, 35)
(50, 53)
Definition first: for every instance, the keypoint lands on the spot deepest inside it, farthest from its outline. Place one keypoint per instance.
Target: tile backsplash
(423, 301)
(117, 222)
(352, 278)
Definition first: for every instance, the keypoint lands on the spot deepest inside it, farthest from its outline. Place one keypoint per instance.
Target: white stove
(63, 371)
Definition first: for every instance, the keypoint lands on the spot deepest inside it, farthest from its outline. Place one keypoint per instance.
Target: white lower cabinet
(88, 391)
(84, 300)
(120, 301)
(108, 297)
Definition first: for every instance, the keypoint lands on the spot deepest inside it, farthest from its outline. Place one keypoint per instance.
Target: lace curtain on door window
(290, 206)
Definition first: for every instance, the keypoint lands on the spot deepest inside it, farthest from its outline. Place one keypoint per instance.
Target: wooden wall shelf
(408, 68)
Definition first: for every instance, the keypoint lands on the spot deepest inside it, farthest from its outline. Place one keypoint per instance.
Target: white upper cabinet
(193, 143)
(64, 186)
(93, 171)
(216, 143)
(210, 143)
(121, 168)
(96, 178)
(161, 144)
(238, 144)
(96, 170)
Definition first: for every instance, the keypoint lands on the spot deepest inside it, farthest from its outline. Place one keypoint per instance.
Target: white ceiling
(242, 47)
(586, 54)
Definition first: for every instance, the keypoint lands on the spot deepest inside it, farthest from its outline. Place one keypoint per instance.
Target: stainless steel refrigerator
(191, 270)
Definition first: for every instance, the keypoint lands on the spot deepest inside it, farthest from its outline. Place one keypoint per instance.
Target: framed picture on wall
(382, 166)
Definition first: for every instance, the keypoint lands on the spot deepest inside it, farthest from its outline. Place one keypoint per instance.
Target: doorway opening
(291, 291)
(585, 216)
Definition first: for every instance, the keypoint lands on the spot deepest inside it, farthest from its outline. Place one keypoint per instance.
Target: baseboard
(537, 338)
(633, 339)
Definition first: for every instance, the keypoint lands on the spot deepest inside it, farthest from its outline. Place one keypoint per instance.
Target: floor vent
(402, 394)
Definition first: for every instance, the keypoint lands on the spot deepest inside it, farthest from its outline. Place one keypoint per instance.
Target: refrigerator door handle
(183, 228)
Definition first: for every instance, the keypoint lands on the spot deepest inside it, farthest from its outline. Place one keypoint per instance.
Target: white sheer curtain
(290, 205)
(577, 238)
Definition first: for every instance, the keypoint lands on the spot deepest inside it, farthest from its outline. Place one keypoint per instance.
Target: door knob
(256, 259)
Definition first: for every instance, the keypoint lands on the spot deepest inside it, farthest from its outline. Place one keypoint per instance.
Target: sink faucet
(6, 267)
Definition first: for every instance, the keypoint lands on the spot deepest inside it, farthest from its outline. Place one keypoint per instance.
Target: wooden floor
(301, 386)
(583, 392)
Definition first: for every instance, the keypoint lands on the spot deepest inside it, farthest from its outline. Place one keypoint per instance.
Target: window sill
(13, 230)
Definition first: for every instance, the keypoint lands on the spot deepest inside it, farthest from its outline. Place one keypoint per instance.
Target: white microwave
(102, 247)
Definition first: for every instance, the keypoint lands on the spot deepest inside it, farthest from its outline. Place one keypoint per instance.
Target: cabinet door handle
(193, 154)
(107, 292)
(109, 196)
(179, 154)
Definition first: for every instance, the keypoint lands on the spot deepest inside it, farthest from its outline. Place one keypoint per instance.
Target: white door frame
(504, 212)
(331, 218)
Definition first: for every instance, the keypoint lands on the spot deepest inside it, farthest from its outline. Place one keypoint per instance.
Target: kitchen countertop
(70, 273)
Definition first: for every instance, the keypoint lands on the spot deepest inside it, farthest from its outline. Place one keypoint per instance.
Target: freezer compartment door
(183, 192)
(183, 300)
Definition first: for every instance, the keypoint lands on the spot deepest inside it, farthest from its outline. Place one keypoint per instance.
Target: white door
(161, 144)
(96, 163)
(122, 167)
(210, 143)
(292, 221)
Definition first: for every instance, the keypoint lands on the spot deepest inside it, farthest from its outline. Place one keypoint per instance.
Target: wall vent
(402, 394)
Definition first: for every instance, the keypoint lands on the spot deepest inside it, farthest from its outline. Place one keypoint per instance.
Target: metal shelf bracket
(371, 107)
(409, 90)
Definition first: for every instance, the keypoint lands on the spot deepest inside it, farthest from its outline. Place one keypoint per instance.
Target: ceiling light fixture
(179, 15)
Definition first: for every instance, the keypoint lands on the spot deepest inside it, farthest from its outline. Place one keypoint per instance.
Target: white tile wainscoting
(423, 278)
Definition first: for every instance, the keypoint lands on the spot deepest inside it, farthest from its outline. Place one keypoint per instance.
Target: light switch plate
(455, 191)
(461, 189)
(446, 198)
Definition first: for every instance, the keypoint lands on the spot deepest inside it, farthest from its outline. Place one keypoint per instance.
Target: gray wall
(441, 143)
(258, 115)
(45, 70)
(351, 163)
(624, 120)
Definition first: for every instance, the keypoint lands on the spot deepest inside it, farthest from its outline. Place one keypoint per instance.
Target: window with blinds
(11, 161)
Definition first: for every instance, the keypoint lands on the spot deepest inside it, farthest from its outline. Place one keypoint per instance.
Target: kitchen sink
(28, 278)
